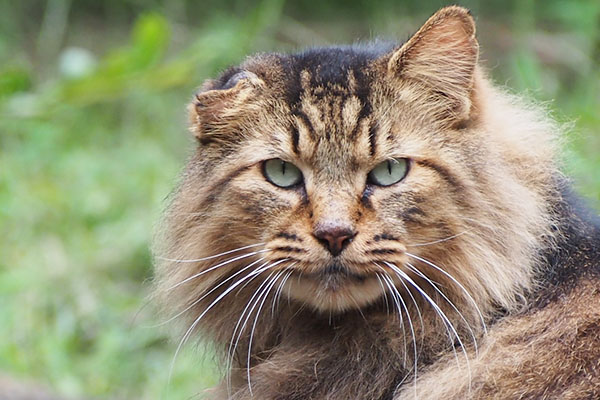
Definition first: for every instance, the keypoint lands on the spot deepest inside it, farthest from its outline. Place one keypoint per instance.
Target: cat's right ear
(219, 106)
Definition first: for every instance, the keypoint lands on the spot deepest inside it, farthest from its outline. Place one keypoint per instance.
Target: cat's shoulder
(574, 255)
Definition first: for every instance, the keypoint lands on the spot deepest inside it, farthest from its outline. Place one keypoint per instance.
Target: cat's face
(337, 171)
(314, 192)
(339, 184)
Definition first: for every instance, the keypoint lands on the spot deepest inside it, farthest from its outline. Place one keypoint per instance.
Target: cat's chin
(336, 293)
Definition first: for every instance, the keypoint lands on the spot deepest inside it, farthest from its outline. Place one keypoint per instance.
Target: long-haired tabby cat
(372, 222)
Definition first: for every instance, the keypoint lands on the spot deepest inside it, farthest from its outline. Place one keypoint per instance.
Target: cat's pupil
(388, 172)
(281, 173)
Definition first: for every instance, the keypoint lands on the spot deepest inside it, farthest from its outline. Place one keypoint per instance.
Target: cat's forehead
(318, 106)
(335, 70)
(327, 65)
(327, 92)
(336, 67)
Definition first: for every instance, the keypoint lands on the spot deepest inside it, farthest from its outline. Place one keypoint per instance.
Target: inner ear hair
(442, 57)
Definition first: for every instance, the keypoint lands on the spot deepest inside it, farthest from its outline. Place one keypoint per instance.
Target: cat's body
(385, 225)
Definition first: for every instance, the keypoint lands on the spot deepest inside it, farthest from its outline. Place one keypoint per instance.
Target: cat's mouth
(338, 271)
(336, 276)
(336, 287)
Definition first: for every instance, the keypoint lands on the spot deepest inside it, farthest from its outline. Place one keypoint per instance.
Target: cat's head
(337, 175)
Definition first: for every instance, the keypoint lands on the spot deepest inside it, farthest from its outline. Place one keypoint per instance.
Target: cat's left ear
(441, 57)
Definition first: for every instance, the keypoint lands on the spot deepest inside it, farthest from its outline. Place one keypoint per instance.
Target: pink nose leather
(335, 237)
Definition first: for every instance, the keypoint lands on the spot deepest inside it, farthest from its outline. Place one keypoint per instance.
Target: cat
(381, 222)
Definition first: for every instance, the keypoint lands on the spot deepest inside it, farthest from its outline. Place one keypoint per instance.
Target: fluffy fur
(473, 277)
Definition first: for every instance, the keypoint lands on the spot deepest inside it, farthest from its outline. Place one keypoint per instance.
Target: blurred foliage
(92, 135)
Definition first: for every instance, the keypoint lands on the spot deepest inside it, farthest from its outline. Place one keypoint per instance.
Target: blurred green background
(93, 134)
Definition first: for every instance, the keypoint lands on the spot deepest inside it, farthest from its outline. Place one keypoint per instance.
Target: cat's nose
(334, 236)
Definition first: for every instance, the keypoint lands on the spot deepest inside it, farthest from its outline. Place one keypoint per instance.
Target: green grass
(90, 150)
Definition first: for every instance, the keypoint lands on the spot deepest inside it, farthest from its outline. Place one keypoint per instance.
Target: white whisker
(264, 298)
(439, 240)
(212, 290)
(210, 306)
(232, 347)
(435, 287)
(457, 283)
(412, 330)
(394, 294)
(248, 308)
(221, 264)
(210, 257)
(439, 311)
(387, 305)
(277, 295)
(417, 308)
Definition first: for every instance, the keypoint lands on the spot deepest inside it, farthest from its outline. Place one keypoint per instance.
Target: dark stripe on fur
(289, 236)
(410, 213)
(372, 140)
(384, 236)
(307, 124)
(365, 198)
(383, 251)
(295, 140)
(220, 186)
(290, 249)
(443, 172)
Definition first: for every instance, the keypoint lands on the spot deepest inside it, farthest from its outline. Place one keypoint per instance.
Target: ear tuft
(441, 56)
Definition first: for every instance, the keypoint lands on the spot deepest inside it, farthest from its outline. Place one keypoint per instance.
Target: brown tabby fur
(483, 200)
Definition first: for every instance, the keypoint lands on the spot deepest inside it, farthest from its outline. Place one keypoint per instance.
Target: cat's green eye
(281, 173)
(388, 172)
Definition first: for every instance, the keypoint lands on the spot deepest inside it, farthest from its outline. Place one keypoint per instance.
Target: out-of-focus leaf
(149, 40)
(14, 79)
